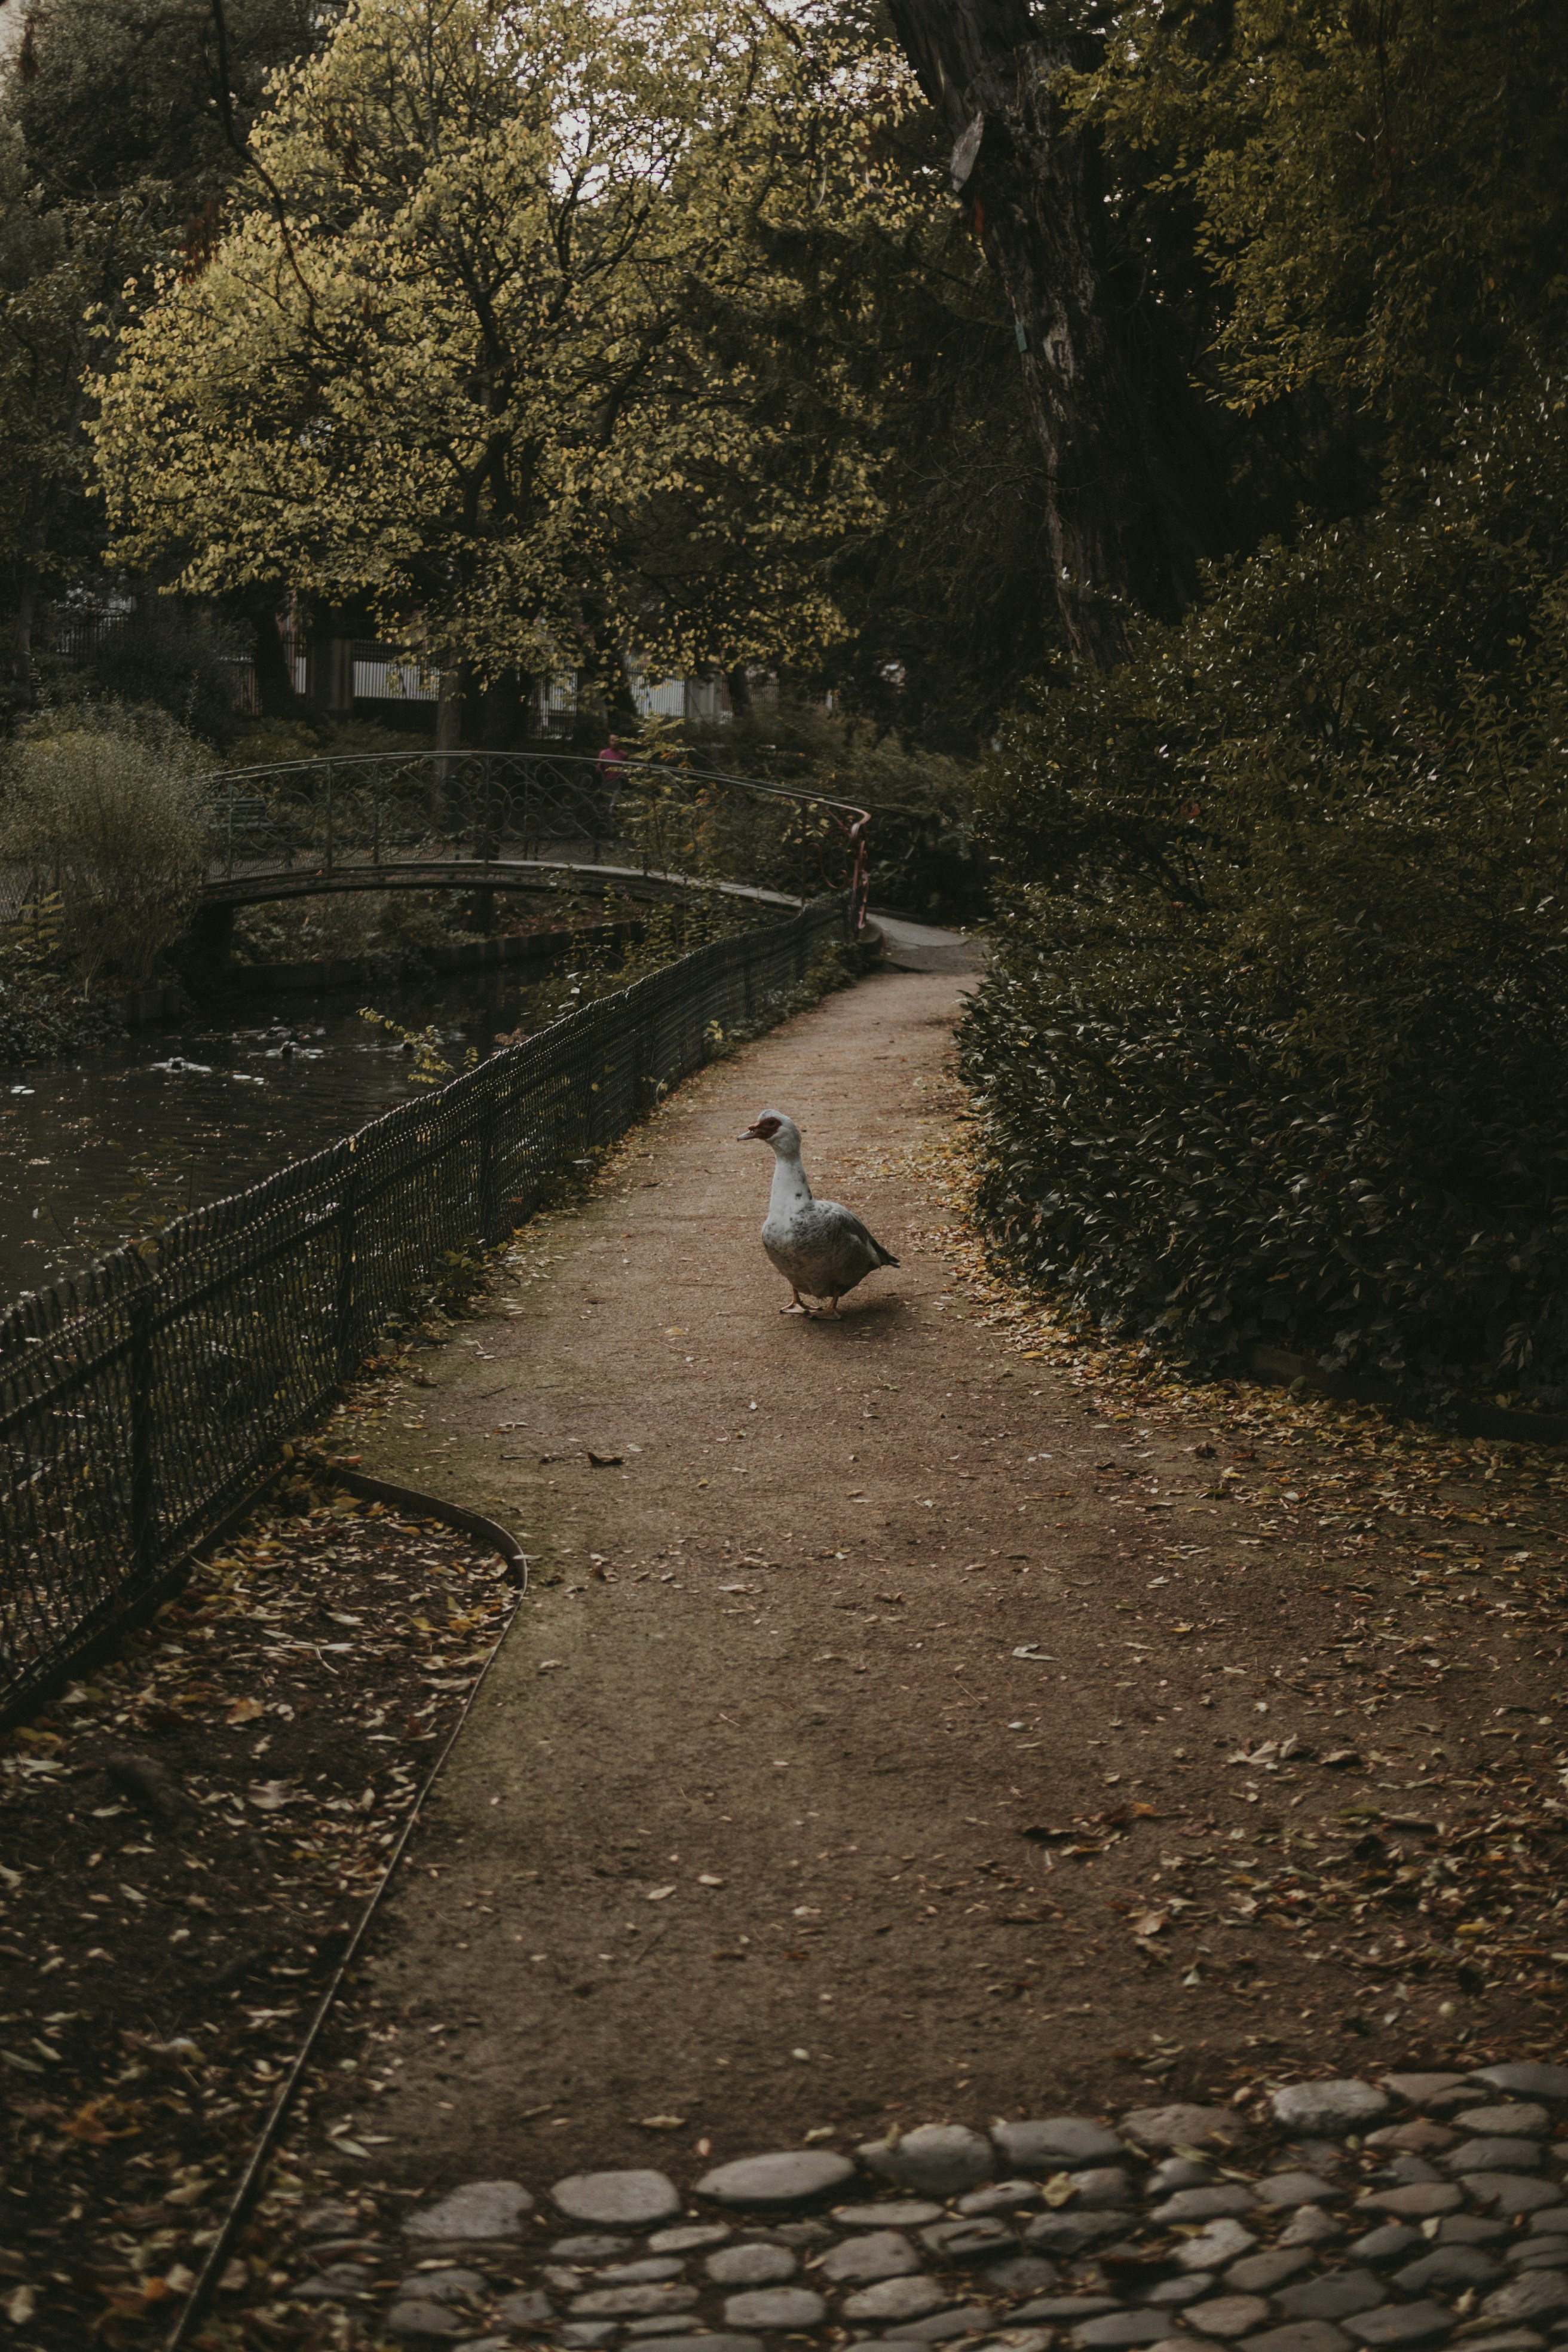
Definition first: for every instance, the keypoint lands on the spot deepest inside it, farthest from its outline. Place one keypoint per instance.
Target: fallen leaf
(660, 2123)
(1058, 2190)
(20, 2305)
(89, 2126)
(1149, 1923)
(604, 1461)
(658, 1893)
(245, 1710)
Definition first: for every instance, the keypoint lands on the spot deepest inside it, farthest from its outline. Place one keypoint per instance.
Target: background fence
(138, 1401)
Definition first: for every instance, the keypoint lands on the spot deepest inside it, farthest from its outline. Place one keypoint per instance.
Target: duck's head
(772, 1128)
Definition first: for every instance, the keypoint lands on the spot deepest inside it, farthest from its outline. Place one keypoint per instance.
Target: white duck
(817, 1246)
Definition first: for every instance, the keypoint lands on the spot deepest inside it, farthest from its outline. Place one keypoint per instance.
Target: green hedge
(1275, 1045)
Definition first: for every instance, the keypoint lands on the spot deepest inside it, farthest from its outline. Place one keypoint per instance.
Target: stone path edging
(1341, 2216)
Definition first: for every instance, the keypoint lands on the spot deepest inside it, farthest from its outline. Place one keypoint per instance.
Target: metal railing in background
(371, 812)
(138, 1401)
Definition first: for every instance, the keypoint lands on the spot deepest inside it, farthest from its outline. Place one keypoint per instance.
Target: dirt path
(764, 1822)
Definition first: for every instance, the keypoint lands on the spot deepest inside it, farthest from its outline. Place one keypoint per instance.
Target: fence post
(348, 1288)
(489, 1207)
(143, 1512)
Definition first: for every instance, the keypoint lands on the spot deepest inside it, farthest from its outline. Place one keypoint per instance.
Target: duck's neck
(790, 1190)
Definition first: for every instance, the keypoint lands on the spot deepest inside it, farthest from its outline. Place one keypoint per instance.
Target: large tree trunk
(274, 670)
(1136, 495)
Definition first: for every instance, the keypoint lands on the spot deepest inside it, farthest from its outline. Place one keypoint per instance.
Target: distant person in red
(612, 767)
(612, 760)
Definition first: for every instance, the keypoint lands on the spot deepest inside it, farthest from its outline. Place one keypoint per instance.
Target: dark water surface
(102, 1147)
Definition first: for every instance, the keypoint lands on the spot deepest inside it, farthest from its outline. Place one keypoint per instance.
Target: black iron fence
(138, 1401)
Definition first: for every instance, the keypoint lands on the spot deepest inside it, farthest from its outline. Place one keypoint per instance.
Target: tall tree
(1377, 191)
(503, 351)
(116, 145)
(1136, 494)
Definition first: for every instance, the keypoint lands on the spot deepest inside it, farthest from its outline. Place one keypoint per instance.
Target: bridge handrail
(659, 771)
(588, 778)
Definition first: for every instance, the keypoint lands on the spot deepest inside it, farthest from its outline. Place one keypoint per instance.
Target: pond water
(100, 1149)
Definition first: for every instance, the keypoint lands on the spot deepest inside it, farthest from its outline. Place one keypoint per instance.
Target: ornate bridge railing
(332, 816)
(138, 1401)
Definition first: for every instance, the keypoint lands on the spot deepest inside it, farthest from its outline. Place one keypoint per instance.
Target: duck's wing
(847, 1223)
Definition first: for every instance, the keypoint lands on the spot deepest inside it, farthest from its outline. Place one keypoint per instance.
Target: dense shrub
(103, 805)
(165, 656)
(1275, 1043)
(43, 1008)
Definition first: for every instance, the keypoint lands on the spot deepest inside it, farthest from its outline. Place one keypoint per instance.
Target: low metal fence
(138, 1401)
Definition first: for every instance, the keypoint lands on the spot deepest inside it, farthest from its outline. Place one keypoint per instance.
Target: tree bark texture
(274, 670)
(1136, 495)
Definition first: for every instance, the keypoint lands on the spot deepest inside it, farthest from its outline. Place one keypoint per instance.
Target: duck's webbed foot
(798, 1305)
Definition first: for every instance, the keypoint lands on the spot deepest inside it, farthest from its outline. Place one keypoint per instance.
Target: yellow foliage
(512, 354)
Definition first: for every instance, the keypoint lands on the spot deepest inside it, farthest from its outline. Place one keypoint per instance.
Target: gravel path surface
(893, 1732)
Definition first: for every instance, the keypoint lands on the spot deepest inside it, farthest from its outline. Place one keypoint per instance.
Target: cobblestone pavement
(1331, 2216)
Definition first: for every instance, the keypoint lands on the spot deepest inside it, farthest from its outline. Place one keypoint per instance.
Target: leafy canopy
(513, 355)
(1374, 187)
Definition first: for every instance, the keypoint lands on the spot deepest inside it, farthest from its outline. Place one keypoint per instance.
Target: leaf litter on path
(1447, 1559)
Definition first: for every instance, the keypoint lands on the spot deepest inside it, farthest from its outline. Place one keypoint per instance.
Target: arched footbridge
(528, 822)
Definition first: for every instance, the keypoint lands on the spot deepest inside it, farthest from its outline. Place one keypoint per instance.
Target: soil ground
(188, 1838)
(904, 1723)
